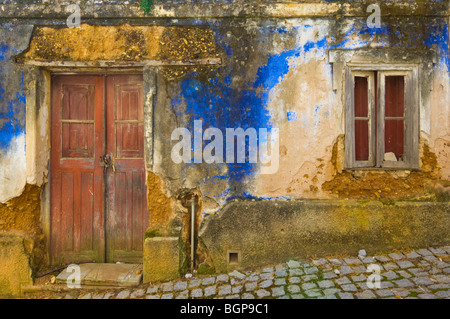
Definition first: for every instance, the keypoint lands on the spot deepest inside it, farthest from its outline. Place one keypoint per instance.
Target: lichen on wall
(120, 43)
(183, 43)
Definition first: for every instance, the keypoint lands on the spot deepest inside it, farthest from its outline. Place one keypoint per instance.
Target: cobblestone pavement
(414, 274)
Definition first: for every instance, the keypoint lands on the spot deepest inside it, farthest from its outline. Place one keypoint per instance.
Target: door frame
(38, 129)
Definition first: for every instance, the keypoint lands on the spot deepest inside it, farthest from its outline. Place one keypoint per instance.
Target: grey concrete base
(161, 259)
(98, 274)
(15, 270)
(267, 232)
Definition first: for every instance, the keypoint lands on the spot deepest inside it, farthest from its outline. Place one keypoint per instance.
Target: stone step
(102, 274)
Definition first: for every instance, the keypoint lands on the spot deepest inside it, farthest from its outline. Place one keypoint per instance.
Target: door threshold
(102, 275)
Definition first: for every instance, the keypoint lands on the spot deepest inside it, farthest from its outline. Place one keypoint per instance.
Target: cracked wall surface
(279, 75)
(275, 72)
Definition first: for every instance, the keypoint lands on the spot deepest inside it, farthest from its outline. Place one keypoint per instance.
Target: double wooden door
(98, 193)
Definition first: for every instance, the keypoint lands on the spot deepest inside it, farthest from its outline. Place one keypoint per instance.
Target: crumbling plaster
(305, 99)
(276, 72)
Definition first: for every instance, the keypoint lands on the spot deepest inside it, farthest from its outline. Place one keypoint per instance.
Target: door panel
(76, 180)
(83, 228)
(127, 217)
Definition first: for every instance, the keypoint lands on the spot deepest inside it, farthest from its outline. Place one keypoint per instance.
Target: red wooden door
(84, 130)
(127, 218)
(76, 185)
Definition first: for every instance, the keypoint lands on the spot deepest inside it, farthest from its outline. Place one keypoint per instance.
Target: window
(382, 117)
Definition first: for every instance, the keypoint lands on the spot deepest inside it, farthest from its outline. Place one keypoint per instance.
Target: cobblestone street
(414, 274)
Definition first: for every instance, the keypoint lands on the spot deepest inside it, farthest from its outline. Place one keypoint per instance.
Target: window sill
(381, 169)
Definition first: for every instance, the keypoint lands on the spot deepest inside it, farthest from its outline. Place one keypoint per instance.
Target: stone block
(161, 259)
(15, 271)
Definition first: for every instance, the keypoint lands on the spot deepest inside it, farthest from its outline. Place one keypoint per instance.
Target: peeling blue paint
(249, 196)
(272, 73)
(219, 105)
(10, 126)
(231, 108)
(439, 36)
(3, 49)
(222, 106)
(320, 44)
(291, 116)
(316, 110)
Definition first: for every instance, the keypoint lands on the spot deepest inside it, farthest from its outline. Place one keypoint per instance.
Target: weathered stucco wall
(317, 228)
(276, 72)
(14, 39)
(266, 81)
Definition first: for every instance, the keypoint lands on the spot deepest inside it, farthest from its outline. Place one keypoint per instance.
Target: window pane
(394, 138)
(361, 118)
(394, 96)
(394, 124)
(361, 97)
(361, 140)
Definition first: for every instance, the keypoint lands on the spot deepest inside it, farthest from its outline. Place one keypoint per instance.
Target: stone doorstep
(107, 275)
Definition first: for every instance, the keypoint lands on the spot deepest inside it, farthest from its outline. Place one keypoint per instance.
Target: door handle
(108, 161)
(104, 162)
(113, 164)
